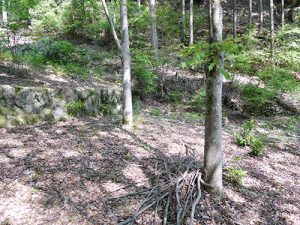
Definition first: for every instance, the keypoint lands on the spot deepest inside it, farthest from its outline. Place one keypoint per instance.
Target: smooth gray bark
(261, 16)
(250, 12)
(191, 22)
(213, 120)
(282, 13)
(4, 12)
(210, 25)
(234, 18)
(127, 95)
(272, 27)
(113, 30)
(154, 39)
(183, 19)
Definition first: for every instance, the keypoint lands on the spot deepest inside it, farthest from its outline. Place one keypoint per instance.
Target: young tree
(126, 59)
(183, 19)
(234, 18)
(261, 16)
(250, 12)
(213, 120)
(272, 27)
(191, 22)
(127, 95)
(4, 12)
(282, 13)
(154, 39)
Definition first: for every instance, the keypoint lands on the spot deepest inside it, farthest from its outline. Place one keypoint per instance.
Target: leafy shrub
(60, 51)
(76, 108)
(236, 174)
(155, 112)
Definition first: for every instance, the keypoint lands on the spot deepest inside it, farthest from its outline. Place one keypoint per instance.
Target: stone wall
(27, 105)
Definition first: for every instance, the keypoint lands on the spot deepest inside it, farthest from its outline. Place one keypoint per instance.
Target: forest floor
(78, 171)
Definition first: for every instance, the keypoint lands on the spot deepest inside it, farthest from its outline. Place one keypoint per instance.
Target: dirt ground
(78, 171)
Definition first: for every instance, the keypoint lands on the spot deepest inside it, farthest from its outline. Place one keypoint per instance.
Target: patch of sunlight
(115, 189)
(134, 173)
(234, 196)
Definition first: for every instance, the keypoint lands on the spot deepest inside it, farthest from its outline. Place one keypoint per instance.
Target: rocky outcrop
(25, 105)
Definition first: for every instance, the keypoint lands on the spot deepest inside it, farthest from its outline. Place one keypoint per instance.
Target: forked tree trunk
(127, 95)
(4, 12)
(154, 39)
(213, 119)
(250, 12)
(261, 16)
(234, 18)
(282, 13)
(191, 22)
(183, 20)
(272, 27)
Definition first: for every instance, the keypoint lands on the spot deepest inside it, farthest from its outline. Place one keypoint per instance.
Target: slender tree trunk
(234, 18)
(250, 12)
(139, 3)
(183, 19)
(272, 27)
(261, 16)
(4, 12)
(127, 96)
(210, 24)
(112, 27)
(154, 39)
(191, 22)
(282, 13)
(213, 119)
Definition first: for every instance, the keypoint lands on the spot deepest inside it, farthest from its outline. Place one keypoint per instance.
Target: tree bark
(154, 39)
(250, 12)
(261, 16)
(213, 120)
(210, 25)
(282, 13)
(127, 95)
(272, 27)
(191, 22)
(112, 27)
(139, 3)
(183, 20)
(234, 18)
(4, 12)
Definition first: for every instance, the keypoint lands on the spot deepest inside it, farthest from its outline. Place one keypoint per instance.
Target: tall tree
(4, 12)
(250, 12)
(234, 18)
(183, 19)
(154, 39)
(272, 27)
(126, 59)
(213, 120)
(282, 13)
(261, 16)
(127, 95)
(191, 22)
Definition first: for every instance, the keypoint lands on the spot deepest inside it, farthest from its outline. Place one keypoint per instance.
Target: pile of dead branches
(175, 193)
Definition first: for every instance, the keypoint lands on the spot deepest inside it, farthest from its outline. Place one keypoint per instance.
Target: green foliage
(236, 174)
(155, 112)
(3, 121)
(198, 101)
(175, 96)
(143, 75)
(76, 108)
(246, 137)
(60, 51)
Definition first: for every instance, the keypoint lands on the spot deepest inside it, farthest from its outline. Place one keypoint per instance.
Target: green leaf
(211, 66)
(225, 73)
(183, 65)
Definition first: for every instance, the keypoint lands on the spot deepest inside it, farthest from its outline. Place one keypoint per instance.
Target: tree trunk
(213, 119)
(112, 27)
(127, 96)
(261, 16)
(282, 13)
(154, 39)
(272, 27)
(250, 12)
(4, 12)
(191, 22)
(183, 20)
(234, 18)
(139, 3)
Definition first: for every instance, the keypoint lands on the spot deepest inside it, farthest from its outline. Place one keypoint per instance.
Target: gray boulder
(7, 94)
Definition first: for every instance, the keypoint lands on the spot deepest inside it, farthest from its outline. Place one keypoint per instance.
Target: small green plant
(246, 137)
(236, 174)
(191, 116)
(155, 112)
(76, 108)
(60, 52)
(175, 96)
